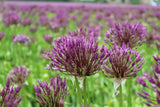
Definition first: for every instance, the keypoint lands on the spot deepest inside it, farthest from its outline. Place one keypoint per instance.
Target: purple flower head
(2, 34)
(61, 17)
(48, 38)
(11, 18)
(43, 20)
(51, 94)
(74, 17)
(122, 63)
(10, 95)
(151, 81)
(82, 32)
(21, 39)
(33, 29)
(99, 16)
(19, 74)
(76, 56)
(132, 34)
(152, 36)
(27, 22)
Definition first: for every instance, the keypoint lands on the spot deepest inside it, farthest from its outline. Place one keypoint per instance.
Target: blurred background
(115, 2)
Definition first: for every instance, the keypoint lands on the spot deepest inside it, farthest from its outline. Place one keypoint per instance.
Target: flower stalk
(121, 96)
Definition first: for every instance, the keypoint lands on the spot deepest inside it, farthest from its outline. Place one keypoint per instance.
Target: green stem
(84, 91)
(121, 97)
(78, 91)
(129, 99)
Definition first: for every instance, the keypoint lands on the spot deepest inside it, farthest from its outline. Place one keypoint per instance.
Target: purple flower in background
(132, 34)
(2, 34)
(99, 16)
(27, 22)
(152, 36)
(61, 17)
(74, 17)
(10, 95)
(11, 18)
(76, 56)
(83, 23)
(151, 82)
(33, 29)
(122, 63)
(19, 74)
(43, 20)
(48, 38)
(21, 39)
(51, 94)
(82, 32)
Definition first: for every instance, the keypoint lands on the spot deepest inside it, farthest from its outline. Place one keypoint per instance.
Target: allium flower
(26, 22)
(43, 20)
(11, 18)
(82, 32)
(19, 75)
(48, 38)
(122, 63)
(151, 82)
(1, 35)
(9, 95)
(33, 29)
(61, 17)
(76, 56)
(52, 94)
(74, 17)
(132, 34)
(152, 36)
(21, 39)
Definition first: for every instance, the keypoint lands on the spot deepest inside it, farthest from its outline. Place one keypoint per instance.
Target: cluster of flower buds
(9, 94)
(76, 56)
(132, 34)
(21, 39)
(151, 81)
(19, 75)
(52, 94)
(122, 62)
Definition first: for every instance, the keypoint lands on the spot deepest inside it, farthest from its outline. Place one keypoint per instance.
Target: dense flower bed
(81, 55)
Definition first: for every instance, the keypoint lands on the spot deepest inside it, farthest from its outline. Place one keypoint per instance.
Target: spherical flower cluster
(19, 75)
(27, 22)
(10, 95)
(48, 38)
(122, 62)
(82, 32)
(61, 17)
(21, 39)
(52, 94)
(11, 18)
(152, 36)
(132, 34)
(151, 81)
(76, 56)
